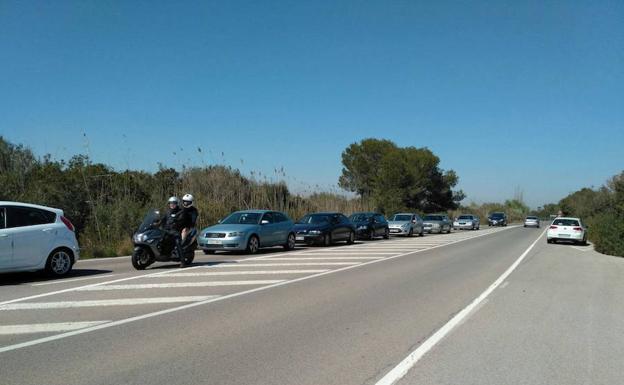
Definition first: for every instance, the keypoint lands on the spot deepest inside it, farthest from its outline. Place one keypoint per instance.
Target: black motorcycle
(152, 243)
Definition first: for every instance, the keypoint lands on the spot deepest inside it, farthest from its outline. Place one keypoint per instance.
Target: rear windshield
(566, 222)
(402, 217)
(432, 218)
(531, 217)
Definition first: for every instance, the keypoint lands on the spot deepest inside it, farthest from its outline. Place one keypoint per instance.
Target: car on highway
(532, 221)
(497, 219)
(324, 228)
(567, 229)
(369, 225)
(248, 231)
(406, 224)
(467, 222)
(34, 237)
(437, 223)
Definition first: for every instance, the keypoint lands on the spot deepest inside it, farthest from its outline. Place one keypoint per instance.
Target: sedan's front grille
(214, 235)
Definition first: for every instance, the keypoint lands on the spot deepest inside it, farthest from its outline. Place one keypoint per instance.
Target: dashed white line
(172, 285)
(251, 272)
(315, 258)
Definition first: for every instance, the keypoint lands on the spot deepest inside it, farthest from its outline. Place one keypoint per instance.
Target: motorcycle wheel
(141, 259)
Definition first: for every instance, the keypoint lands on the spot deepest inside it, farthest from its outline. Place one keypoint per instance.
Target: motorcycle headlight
(236, 234)
(138, 238)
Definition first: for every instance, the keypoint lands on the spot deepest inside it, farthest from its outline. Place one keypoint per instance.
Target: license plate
(214, 242)
(395, 230)
(564, 235)
(299, 238)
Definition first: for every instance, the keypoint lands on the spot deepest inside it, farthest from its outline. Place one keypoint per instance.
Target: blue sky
(511, 95)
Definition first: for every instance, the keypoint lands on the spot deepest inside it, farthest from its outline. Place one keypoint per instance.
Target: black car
(497, 219)
(324, 228)
(369, 225)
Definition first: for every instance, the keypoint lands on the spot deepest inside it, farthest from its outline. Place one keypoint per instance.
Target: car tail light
(578, 229)
(68, 223)
(553, 227)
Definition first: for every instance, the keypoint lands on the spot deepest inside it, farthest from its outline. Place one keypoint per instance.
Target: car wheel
(59, 262)
(351, 239)
(208, 252)
(387, 234)
(327, 241)
(411, 232)
(290, 242)
(449, 230)
(371, 234)
(253, 245)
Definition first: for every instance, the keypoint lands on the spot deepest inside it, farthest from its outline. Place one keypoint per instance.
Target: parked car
(369, 225)
(437, 223)
(497, 219)
(567, 229)
(467, 222)
(249, 231)
(34, 237)
(532, 221)
(406, 224)
(324, 228)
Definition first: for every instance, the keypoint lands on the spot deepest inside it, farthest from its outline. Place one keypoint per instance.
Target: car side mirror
(264, 222)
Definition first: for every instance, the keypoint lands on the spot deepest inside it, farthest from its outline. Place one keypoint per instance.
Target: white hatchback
(567, 229)
(34, 237)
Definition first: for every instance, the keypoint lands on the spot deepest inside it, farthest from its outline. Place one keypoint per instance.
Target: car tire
(59, 262)
(386, 234)
(253, 245)
(449, 230)
(371, 234)
(351, 239)
(327, 241)
(411, 232)
(290, 242)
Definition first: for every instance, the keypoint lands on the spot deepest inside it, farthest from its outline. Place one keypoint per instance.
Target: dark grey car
(437, 223)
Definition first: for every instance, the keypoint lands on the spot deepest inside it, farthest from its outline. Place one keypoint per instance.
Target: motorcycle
(154, 244)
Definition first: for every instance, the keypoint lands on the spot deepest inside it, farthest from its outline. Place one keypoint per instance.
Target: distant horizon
(511, 96)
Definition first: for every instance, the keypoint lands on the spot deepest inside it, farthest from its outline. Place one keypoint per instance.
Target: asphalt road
(340, 315)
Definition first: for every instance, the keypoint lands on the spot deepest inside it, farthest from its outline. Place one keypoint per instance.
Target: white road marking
(251, 272)
(208, 301)
(103, 302)
(181, 284)
(246, 265)
(408, 362)
(46, 328)
(315, 258)
(72, 280)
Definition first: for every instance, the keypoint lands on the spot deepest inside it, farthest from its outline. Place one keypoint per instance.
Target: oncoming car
(34, 237)
(249, 231)
(567, 229)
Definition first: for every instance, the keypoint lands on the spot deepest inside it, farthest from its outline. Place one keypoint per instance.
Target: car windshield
(465, 217)
(497, 215)
(359, 217)
(532, 218)
(566, 222)
(244, 218)
(402, 217)
(432, 218)
(314, 219)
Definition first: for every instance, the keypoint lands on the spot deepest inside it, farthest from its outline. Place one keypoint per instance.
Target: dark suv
(370, 225)
(497, 219)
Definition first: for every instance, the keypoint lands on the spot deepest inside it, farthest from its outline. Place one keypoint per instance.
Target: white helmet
(187, 200)
(174, 200)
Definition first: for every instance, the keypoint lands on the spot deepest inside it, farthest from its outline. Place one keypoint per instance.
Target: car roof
(10, 203)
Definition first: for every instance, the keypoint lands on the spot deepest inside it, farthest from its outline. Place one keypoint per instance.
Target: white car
(567, 229)
(34, 238)
(467, 222)
(532, 221)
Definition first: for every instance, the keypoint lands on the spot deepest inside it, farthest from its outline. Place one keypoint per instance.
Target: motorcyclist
(189, 215)
(172, 224)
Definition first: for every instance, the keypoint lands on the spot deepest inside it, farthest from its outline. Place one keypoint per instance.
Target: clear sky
(511, 95)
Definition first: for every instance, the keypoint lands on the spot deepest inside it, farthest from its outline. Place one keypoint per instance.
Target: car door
(33, 231)
(6, 242)
(268, 229)
(336, 228)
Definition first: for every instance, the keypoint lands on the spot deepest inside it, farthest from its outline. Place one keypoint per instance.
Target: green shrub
(606, 231)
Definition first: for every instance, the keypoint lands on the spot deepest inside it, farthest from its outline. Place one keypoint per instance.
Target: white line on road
(181, 284)
(72, 280)
(208, 301)
(315, 258)
(408, 362)
(251, 272)
(246, 265)
(103, 302)
(47, 328)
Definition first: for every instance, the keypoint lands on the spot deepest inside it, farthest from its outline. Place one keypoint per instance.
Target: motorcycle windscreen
(151, 220)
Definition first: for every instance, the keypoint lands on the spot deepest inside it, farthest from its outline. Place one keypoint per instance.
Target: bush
(606, 231)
